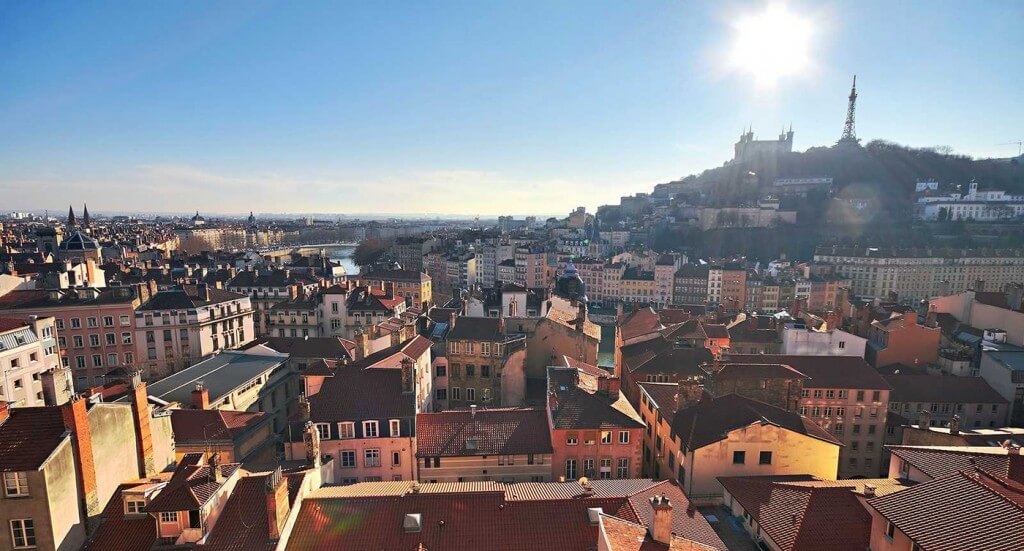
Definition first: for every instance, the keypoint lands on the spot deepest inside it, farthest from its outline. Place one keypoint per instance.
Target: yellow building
(413, 285)
(727, 436)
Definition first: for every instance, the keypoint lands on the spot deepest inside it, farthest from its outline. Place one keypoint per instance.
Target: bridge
(306, 249)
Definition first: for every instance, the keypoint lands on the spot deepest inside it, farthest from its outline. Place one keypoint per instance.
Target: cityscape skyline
(296, 109)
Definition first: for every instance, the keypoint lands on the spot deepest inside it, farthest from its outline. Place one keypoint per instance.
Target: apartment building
(95, 327)
(918, 274)
(28, 350)
(532, 269)
(178, 327)
(486, 363)
(414, 286)
(690, 285)
(900, 339)
(267, 287)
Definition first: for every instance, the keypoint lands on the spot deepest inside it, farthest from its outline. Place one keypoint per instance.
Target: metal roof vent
(413, 522)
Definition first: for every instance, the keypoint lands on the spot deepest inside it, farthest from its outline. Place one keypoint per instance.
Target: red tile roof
(505, 431)
(573, 407)
(712, 420)
(941, 461)
(963, 510)
(243, 524)
(355, 393)
(758, 371)
(29, 436)
(136, 533)
(189, 488)
(10, 324)
(907, 387)
(825, 371)
(803, 517)
(639, 323)
(200, 425)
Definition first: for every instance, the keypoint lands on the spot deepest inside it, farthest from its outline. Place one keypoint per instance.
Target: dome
(79, 242)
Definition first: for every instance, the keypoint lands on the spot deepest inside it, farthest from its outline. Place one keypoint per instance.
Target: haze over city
(469, 108)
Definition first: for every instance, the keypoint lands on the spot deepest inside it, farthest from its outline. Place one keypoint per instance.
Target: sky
(473, 108)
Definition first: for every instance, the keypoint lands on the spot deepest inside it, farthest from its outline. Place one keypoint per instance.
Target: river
(344, 256)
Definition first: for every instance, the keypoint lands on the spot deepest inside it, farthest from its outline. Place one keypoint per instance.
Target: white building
(28, 349)
(800, 340)
(982, 206)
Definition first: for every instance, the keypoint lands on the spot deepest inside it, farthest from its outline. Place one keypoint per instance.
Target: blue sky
(460, 107)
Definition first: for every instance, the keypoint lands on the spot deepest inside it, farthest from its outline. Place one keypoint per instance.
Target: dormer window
(134, 505)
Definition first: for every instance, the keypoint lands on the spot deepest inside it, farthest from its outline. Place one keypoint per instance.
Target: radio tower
(850, 129)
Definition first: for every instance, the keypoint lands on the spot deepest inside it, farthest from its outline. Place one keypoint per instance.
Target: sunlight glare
(772, 44)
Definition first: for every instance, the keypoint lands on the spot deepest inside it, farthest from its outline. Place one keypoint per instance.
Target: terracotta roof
(716, 331)
(907, 387)
(477, 329)
(712, 420)
(937, 461)
(663, 395)
(824, 371)
(484, 516)
(673, 315)
(29, 436)
(10, 324)
(661, 356)
(573, 407)
(355, 393)
(962, 510)
(201, 425)
(801, 513)
(639, 323)
(504, 431)
(583, 366)
(136, 533)
(623, 535)
(243, 523)
(190, 487)
(758, 371)
(567, 319)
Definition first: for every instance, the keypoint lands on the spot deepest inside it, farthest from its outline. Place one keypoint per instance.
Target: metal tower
(850, 129)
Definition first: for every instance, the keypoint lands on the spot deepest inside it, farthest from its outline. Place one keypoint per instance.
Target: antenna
(1018, 143)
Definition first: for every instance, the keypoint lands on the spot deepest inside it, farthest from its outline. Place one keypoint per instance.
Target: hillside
(885, 168)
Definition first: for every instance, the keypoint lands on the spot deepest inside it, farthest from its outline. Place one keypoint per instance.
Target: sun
(772, 44)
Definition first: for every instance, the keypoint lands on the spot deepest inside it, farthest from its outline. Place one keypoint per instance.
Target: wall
(549, 341)
(53, 504)
(513, 379)
(113, 448)
(803, 342)
(595, 451)
(405, 446)
(486, 467)
(881, 542)
(792, 453)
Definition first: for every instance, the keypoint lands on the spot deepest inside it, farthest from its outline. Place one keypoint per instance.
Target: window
(765, 458)
(470, 394)
(348, 459)
(80, 362)
(818, 393)
(739, 457)
(23, 533)
(324, 430)
(470, 370)
(803, 410)
(169, 516)
(890, 530)
(371, 457)
(92, 322)
(571, 441)
(842, 394)
(125, 320)
(805, 393)
(485, 349)
(78, 341)
(453, 347)
(456, 393)
(97, 360)
(76, 323)
(126, 338)
(371, 429)
(396, 459)
(860, 395)
(606, 437)
(60, 324)
(441, 394)
(876, 396)
(15, 484)
(622, 470)
(623, 437)
(830, 394)
(841, 412)
(395, 427)
(485, 371)
(842, 345)
(135, 506)
(570, 469)
(441, 371)
(346, 429)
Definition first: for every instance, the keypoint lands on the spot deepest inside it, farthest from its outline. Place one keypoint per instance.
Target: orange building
(901, 339)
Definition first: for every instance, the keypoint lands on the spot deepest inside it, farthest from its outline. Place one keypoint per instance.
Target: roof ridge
(978, 472)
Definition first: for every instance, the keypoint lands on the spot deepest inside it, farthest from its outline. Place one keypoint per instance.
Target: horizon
(428, 111)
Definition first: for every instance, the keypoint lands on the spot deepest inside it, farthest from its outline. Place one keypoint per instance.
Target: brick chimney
(201, 396)
(408, 376)
(76, 421)
(661, 526)
(216, 474)
(688, 393)
(277, 503)
(923, 418)
(143, 431)
(203, 292)
(57, 387)
(304, 408)
(609, 386)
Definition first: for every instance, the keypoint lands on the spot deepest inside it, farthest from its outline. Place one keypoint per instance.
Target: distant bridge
(275, 252)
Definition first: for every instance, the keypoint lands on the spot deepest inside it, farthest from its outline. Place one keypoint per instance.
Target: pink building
(95, 326)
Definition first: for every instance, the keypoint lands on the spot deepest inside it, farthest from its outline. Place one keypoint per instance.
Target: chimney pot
(869, 490)
(661, 527)
(954, 425)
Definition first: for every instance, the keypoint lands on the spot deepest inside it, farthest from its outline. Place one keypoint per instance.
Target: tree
(369, 251)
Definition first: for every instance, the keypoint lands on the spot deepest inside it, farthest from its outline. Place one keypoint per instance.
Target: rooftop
(221, 375)
(502, 431)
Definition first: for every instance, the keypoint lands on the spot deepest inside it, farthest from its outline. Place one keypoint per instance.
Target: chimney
(610, 386)
(954, 425)
(688, 393)
(57, 388)
(979, 285)
(923, 417)
(311, 438)
(451, 320)
(472, 411)
(216, 473)
(277, 503)
(143, 431)
(304, 407)
(661, 527)
(201, 396)
(5, 410)
(869, 490)
(76, 421)
(931, 319)
(203, 291)
(408, 376)
(362, 340)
